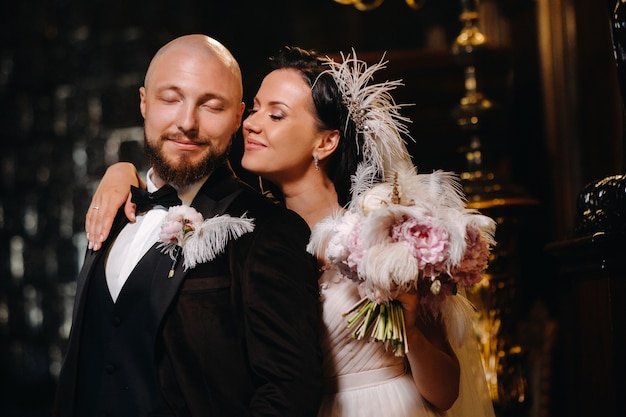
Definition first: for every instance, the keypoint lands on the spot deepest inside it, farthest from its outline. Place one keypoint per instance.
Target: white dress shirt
(136, 238)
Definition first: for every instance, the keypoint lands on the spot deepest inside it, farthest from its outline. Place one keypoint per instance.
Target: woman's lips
(252, 144)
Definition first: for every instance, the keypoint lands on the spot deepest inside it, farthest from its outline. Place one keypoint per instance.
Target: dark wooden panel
(590, 359)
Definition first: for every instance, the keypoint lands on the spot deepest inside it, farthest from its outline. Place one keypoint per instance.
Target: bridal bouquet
(410, 234)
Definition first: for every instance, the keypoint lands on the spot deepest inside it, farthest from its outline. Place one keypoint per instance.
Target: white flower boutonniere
(184, 230)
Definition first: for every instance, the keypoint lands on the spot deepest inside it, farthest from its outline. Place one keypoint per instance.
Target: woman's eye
(274, 116)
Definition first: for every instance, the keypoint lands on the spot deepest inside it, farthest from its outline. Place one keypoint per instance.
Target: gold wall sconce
(365, 5)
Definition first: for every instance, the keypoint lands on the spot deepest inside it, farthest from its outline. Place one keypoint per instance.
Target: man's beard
(185, 172)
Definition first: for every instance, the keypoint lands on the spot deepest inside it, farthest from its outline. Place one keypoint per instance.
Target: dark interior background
(69, 74)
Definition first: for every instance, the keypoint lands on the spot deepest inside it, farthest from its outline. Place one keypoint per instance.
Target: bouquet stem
(383, 323)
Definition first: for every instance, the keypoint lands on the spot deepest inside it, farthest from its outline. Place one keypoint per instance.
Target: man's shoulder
(257, 202)
(265, 209)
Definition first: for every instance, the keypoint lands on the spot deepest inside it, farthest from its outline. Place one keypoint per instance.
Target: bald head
(191, 102)
(199, 46)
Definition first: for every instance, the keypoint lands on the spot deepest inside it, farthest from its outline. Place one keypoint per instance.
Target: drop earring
(316, 161)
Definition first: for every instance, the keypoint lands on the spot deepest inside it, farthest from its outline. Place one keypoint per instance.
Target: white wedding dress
(362, 379)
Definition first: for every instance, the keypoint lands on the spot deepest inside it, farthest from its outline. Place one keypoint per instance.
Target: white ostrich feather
(363, 179)
(442, 188)
(211, 238)
(485, 224)
(390, 268)
(375, 229)
(322, 233)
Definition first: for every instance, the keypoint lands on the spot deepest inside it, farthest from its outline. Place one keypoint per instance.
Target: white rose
(376, 198)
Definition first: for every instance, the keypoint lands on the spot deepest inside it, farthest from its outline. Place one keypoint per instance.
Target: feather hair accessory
(375, 114)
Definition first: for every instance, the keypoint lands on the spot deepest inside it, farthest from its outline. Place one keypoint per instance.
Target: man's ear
(327, 145)
(239, 116)
(142, 101)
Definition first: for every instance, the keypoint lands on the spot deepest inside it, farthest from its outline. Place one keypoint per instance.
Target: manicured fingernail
(90, 245)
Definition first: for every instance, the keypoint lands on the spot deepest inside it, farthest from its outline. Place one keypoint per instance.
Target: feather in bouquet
(410, 234)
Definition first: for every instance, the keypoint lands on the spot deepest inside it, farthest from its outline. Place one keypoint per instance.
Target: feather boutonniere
(185, 232)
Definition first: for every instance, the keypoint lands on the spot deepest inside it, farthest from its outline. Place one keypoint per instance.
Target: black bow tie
(165, 196)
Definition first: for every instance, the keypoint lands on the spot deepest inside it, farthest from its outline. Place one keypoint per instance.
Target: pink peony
(184, 214)
(354, 245)
(339, 246)
(428, 244)
(170, 231)
(179, 223)
(475, 259)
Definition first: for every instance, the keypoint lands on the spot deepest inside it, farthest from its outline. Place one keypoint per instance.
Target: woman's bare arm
(113, 191)
(434, 366)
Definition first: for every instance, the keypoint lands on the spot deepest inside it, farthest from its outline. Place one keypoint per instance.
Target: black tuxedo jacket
(237, 336)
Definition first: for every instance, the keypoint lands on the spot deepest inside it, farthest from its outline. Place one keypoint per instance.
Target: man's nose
(187, 118)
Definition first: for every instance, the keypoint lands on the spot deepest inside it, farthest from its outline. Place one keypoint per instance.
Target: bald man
(233, 336)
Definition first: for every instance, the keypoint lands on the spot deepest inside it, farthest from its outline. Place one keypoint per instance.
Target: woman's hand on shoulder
(113, 191)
